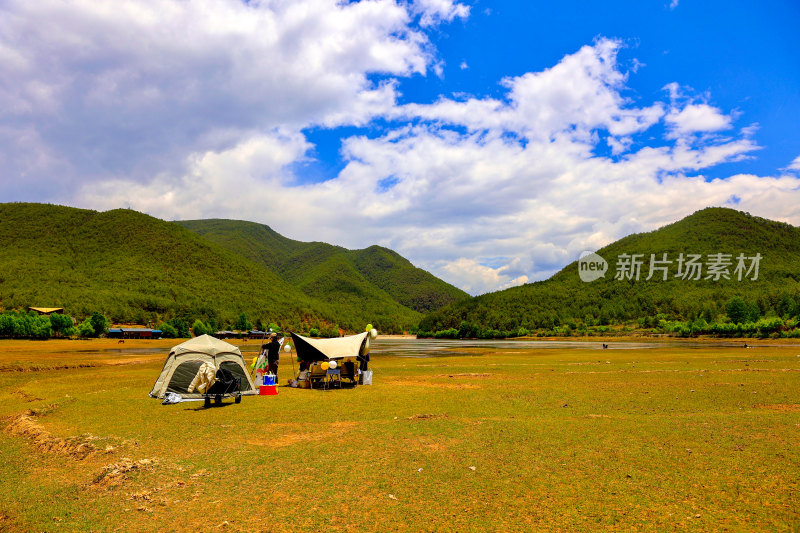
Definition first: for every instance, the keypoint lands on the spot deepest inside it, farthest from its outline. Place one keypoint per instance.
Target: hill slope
(332, 272)
(133, 267)
(565, 299)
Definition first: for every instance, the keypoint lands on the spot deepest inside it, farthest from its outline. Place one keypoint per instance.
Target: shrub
(168, 331)
(86, 328)
(198, 328)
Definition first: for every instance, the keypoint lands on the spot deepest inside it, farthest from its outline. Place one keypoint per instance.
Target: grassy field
(698, 438)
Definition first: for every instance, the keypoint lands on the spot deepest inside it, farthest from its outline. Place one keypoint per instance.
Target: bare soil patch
(116, 473)
(25, 425)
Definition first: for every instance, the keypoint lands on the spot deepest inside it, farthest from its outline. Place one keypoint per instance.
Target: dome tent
(184, 360)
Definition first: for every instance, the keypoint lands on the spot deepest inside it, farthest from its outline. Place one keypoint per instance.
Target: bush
(99, 324)
(181, 328)
(451, 333)
(198, 328)
(86, 328)
(60, 324)
(168, 331)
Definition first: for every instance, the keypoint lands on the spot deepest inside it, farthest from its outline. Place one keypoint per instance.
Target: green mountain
(136, 268)
(565, 300)
(372, 275)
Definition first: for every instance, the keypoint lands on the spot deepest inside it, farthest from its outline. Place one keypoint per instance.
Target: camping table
(335, 375)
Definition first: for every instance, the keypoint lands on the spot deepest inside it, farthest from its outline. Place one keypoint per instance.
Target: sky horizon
(490, 143)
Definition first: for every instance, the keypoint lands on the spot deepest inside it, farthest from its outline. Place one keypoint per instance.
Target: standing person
(363, 357)
(273, 354)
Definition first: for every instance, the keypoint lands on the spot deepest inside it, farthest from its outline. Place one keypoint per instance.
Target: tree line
(738, 317)
(32, 325)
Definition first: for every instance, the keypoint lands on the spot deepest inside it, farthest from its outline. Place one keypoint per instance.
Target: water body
(423, 348)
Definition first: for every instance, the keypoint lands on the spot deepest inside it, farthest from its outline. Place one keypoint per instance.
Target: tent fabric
(184, 360)
(326, 349)
(205, 344)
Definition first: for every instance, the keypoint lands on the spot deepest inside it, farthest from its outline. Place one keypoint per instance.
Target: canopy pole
(292, 359)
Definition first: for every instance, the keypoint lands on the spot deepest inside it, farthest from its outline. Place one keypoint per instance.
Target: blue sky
(742, 55)
(489, 142)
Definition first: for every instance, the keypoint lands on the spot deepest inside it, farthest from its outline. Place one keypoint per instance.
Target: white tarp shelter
(309, 349)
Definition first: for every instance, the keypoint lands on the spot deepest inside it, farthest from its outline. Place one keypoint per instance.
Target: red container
(268, 390)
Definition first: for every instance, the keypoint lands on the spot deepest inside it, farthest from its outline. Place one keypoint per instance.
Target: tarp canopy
(325, 349)
(184, 360)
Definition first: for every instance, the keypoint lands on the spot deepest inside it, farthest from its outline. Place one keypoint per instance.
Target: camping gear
(185, 361)
(171, 398)
(261, 360)
(331, 359)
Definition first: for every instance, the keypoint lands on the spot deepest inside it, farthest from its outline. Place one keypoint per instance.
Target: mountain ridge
(137, 268)
(565, 300)
(391, 274)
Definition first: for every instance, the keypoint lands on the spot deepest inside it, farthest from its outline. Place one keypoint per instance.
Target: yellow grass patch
(281, 438)
(431, 384)
(465, 375)
(790, 407)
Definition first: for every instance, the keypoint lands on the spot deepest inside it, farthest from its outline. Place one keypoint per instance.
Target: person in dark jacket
(363, 361)
(273, 354)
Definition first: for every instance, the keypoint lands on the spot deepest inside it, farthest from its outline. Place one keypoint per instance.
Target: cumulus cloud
(795, 164)
(476, 278)
(128, 89)
(578, 95)
(695, 118)
(434, 12)
(201, 108)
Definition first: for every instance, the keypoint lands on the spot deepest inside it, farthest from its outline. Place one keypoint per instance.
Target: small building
(47, 310)
(228, 334)
(256, 334)
(134, 333)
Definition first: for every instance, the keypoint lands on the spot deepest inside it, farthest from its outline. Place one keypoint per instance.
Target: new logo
(591, 267)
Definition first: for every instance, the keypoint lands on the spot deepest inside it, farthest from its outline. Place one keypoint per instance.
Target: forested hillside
(566, 303)
(135, 268)
(374, 274)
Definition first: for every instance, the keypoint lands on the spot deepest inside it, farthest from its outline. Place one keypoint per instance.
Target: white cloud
(437, 11)
(695, 118)
(795, 164)
(129, 88)
(579, 94)
(478, 279)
